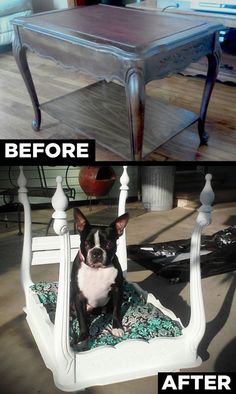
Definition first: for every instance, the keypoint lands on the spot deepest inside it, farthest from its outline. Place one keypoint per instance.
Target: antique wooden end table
(129, 46)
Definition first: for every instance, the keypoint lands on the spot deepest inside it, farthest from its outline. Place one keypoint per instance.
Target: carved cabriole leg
(213, 68)
(19, 52)
(135, 95)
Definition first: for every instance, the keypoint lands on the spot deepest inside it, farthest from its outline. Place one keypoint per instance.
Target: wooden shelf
(99, 112)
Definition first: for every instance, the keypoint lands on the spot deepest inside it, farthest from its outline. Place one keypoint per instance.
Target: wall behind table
(46, 5)
(51, 173)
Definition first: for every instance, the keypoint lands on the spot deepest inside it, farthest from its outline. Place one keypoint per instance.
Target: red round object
(96, 181)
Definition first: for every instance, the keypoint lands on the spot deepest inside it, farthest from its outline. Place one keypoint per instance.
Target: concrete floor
(21, 367)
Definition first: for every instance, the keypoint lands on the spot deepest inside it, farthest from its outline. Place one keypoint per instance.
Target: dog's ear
(120, 223)
(80, 220)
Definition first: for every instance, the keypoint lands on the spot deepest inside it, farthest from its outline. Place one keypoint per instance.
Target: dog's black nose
(97, 253)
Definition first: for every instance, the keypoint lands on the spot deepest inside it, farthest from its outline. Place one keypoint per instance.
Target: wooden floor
(53, 81)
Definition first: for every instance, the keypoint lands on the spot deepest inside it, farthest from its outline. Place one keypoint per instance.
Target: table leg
(135, 94)
(213, 68)
(19, 52)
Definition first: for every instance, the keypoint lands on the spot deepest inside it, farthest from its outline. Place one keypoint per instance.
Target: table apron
(177, 59)
(107, 65)
(100, 63)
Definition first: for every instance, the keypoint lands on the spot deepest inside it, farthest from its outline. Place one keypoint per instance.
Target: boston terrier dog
(96, 277)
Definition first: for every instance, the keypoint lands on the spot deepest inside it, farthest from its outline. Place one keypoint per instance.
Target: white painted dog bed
(168, 346)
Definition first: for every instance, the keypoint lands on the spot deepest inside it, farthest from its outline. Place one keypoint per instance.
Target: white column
(196, 326)
(121, 243)
(158, 187)
(63, 354)
(26, 260)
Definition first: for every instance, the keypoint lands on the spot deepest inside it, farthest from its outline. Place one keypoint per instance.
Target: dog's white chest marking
(95, 283)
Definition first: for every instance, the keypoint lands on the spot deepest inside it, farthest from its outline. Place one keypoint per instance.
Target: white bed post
(196, 327)
(26, 280)
(63, 354)
(121, 244)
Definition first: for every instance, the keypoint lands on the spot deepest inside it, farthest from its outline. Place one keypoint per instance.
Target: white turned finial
(124, 179)
(206, 197)
(60, 204)
(21, 181)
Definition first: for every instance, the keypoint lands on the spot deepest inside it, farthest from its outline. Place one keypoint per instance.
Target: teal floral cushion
(141, 320)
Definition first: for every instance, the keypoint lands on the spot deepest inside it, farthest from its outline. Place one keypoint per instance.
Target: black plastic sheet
(171, 259)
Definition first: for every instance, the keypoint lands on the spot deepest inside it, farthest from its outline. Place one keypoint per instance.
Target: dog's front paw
(117, 332)
(81, 346)
(81, 343)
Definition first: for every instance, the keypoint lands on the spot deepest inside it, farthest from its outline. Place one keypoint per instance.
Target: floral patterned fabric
(141, 320)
